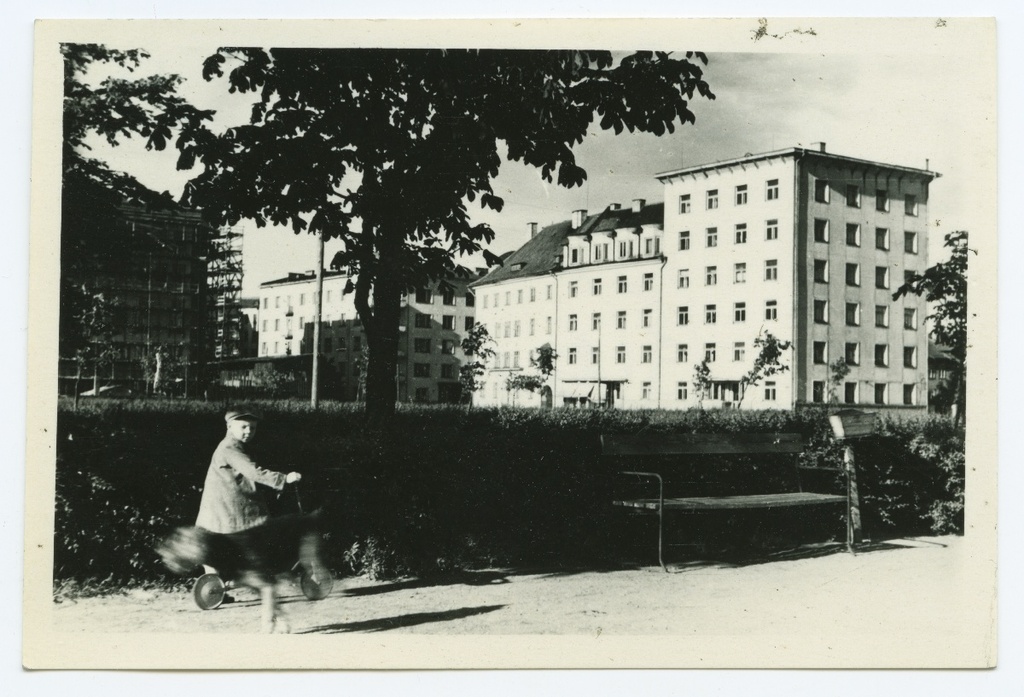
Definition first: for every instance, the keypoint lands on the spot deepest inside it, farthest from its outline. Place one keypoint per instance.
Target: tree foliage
(944, 287)
(766, 364)
(478, 347)
(387, 151)
(702, 383)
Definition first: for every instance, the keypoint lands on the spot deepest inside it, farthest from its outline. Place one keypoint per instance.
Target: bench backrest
(667, 444)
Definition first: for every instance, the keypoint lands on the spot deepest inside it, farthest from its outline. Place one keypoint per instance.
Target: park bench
(667, 459)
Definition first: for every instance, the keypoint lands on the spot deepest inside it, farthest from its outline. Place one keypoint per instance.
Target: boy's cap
(241, 414)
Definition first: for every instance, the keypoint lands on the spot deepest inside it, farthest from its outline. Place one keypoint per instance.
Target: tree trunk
(382, 339)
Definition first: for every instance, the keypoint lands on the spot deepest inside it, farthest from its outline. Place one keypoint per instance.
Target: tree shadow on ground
(383, 624)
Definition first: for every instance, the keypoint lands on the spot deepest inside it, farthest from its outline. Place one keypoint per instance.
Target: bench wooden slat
(707, 503)
(660, 444)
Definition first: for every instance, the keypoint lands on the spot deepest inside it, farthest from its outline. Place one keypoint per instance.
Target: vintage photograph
(452, 339)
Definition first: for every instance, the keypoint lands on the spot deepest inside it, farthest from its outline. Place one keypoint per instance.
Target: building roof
(541, 254)
(795, 152)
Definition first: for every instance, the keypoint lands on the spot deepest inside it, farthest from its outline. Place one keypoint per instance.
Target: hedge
(442, 488)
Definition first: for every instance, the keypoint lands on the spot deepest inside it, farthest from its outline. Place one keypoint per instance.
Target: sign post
(847, 425)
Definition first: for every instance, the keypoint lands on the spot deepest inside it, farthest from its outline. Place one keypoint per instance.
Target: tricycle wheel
(208, 591)
(316, 586)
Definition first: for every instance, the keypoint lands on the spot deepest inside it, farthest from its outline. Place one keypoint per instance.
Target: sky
(895, 108)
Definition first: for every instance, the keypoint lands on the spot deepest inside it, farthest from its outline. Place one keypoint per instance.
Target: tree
(543, 362)
(702, 384)
(766, 364)
(385, 150)
(478, 347)
(944, 286)
(91, 343)
(114, 109)
(837, 372)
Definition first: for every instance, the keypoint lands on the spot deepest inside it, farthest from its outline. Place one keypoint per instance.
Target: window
(820, 230)
(515, 359)
(533, 294)
(263, 346)
(710, 314)
(821, 190)
(771, 310)
(853, 274)
(421, 370)
(424, 296)
(595, 355)
(646, 391)
(741, 195)
(818, 391)
(469, 324)
(620, 319)
(909, 357)
(740, 273)
(519, 298)
(820, 352)
(448, 347)
(712, 199)
(770, 393)
(821, 270)
(910, 242)
(421, 345)
(682, 353)
(572, 323)
(681, 391)
(850, 392)
(264, 325)
(595, 321)
(881, 315)
(547, 328)
(448, 322)
(739, 350)
(910, 318)
(448, 371)
(882, 200)
(648, 281)
(709, 353)
(508, 297)
(486, 301)
(852, 355)
(712, 237)
(471, 299)
(881, 277)
(277, 301)
(597, 286)
(853, 196)
(516, 328)
(277, 325)
(909, 393)
(646, 322)
(683, 315)
(549, 292)
(882, 355)
(572, 356)
(741, 233)
(684, 240)
(771, 270)
(821, 311)
(646, 354)
(620, 354)
(684, 204)
(710, 275)
(739, 312)
(508, 329)
(771, 190)
(910, 204)
(622, 284)
(853, 234)
(771, 231)
(882, 238)
(880, 392)
(853, 314)
(574, 256)
(574, 289)
(266, 303)
(684, 278)
(626, 249)
(649, 246)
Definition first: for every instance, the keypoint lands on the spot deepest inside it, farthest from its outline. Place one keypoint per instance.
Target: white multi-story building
(802, 244)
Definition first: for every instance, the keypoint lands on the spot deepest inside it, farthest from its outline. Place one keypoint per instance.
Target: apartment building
(799, 243)
(434, 320)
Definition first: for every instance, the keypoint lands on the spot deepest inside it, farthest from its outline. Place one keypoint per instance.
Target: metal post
(314, 389)
(854, 533)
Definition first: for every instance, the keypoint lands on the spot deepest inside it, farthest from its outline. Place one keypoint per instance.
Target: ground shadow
(384, 624)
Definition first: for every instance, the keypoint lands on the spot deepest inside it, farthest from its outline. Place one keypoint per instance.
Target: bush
(442, 488)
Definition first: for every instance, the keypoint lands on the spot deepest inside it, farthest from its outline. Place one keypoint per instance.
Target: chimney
(578, 216)
(533, 229)
(614, 206)
(638, 204)
(821, 145)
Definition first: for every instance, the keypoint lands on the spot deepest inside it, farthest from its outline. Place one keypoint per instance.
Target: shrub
(444, 487)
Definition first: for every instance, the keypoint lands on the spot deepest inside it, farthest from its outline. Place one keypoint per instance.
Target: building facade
(799, 243)
(434, 321)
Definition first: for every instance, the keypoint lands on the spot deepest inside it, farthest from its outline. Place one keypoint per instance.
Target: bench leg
(853, 524)
(661, 535)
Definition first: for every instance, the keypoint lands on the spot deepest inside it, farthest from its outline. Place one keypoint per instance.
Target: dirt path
(909, 584)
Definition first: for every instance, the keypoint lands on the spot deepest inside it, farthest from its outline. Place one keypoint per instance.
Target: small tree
(837, 372)
(766, 364)
(94, 336)
(701, 382)
(478, 347)
(543, 362)
(944, 286)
